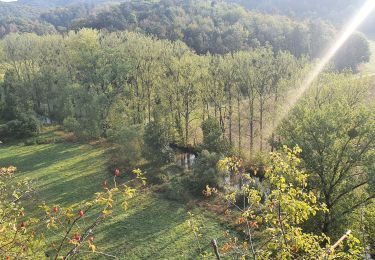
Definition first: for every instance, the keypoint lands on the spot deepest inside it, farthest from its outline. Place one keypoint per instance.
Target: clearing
(152, 228)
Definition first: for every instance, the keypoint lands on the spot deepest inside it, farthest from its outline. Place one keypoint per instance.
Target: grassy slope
(152, 228)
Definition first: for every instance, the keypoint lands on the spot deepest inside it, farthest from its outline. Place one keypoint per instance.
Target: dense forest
(153, 79)
(17, 18)
(333, 11)
(195, 112)
(205, 26)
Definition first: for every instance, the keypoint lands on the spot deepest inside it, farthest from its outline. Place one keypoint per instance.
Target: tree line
(95, 81)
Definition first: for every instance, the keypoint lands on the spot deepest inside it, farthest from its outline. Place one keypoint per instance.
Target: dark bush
(205, 172)
(213, 137)
(129, 143)
(159, 178)
(23, 126)
(43, 140)
(30, 142)
(177, 191)
(157, 138)
(3, 130)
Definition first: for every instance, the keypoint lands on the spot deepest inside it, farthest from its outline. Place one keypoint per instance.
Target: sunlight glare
(348, 30)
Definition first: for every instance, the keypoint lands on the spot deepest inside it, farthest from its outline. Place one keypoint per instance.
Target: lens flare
(349, 29)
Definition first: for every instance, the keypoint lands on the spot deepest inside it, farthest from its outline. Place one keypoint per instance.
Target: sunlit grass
(152, 227)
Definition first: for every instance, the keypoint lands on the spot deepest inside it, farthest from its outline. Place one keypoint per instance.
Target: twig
(85, 234)
(65, 237)
(247, 222)
(332, 248)
(341, 239)
(216, 250)
(193, 228)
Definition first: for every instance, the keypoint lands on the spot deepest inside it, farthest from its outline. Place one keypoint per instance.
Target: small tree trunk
(251, 120)
(230, 117)
(221, 119)
(261, 125)
(187, 118)
(327, 216)
(239, 123)
(273, 120)
(149, 105)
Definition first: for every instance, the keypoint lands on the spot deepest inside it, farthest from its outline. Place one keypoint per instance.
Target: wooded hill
(337, 12)
(205, 26)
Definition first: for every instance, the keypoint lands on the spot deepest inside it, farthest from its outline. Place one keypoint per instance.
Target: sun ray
(348, 30)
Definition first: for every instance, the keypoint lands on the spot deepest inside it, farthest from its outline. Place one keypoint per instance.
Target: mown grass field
(152, 228)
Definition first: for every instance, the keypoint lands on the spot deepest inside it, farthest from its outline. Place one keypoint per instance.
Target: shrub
(177, 188)
(71, 124)
(43, 140)
(177, 191)
(47, 140)
(213, 138)
(23, 126)
(30, 142)
(158, 178)
(157, 138)
(129, 142)
(205, 172)
(3, 130)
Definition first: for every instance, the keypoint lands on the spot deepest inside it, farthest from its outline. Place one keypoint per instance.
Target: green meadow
(152, 227)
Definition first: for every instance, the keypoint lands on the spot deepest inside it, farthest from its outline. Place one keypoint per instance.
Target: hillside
(205, 26)
(62, 3)
(12, 9)
(17, 17)
(219, 28)
(337, 12)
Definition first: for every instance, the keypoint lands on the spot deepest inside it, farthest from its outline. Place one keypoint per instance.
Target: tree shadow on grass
(68, 188)
(42, 156)
(74, 182)
(149, 233)
(62, 174)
